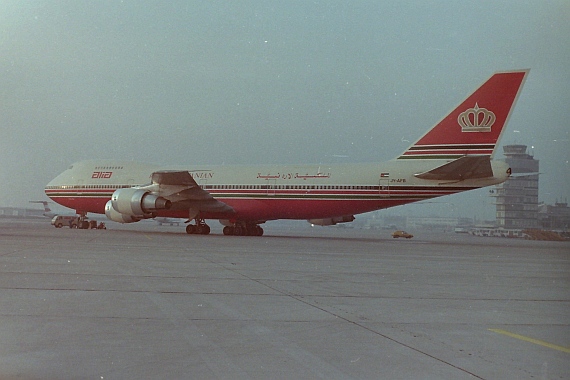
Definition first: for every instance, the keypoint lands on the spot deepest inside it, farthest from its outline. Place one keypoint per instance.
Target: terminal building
(20, 212)
(554, 217)
(517, 198)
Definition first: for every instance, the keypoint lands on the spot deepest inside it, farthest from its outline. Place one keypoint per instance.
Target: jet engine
(131, 205)
(117, 216)
(332, 221)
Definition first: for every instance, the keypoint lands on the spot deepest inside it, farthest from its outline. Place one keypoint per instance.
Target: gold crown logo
(476, 119)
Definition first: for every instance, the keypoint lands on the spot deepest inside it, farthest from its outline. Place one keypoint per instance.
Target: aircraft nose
(49, 187)
(53, 185)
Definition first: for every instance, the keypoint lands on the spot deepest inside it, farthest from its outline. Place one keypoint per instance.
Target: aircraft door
(80, 185)
(271, 187)
(384, 185)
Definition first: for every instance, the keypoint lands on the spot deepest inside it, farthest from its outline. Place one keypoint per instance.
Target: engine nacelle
(332, 221)
(117, 216)
(138, 202)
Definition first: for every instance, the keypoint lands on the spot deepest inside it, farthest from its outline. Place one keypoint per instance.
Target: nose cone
(57, 186)
(52, 187)
(50, 184)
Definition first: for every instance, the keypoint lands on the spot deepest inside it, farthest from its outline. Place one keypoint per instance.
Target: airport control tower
(517, 198)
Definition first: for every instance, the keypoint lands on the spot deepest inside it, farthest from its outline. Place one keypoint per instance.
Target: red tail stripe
(478, 122)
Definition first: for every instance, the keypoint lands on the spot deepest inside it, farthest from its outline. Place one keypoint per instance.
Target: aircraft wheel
(190, 229)
(253, 230)
(228, 230)
(205, 229)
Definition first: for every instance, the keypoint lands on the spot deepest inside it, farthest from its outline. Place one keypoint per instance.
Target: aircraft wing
(180, 188)
(466, 167)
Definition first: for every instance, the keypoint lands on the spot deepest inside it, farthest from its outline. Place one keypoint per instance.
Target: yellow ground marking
(531, 340)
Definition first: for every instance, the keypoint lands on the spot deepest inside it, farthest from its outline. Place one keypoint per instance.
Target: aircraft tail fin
(476, 125)
(45, 203)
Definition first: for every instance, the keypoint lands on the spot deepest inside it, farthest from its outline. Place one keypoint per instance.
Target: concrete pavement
(322, 303)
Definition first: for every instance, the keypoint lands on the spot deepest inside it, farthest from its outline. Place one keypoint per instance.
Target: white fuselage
(268, 192)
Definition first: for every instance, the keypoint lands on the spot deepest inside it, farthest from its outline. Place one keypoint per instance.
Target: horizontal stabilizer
(526, 174)
(466, 167)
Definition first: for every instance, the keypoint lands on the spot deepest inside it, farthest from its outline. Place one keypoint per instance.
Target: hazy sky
(213, 82)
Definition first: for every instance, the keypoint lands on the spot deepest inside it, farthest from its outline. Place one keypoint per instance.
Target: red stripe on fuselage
(258, 205)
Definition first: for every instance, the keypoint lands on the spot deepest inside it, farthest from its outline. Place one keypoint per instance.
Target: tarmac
(149, 302)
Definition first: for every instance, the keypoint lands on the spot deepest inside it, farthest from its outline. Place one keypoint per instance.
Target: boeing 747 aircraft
(455, 155)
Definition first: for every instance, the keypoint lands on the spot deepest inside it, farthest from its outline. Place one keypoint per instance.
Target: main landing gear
(236, 229)
(200, 228)
(243, 230)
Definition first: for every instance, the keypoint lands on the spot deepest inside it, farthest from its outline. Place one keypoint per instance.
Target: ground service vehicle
(70, 221)
(402, 234)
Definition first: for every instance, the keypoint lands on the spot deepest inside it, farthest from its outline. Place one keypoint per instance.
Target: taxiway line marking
(531, 340)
